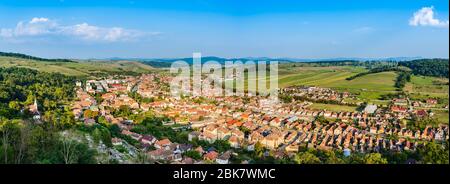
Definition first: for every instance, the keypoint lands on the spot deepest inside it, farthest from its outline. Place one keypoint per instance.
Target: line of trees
(378, 70)
(24, 56)
(402, 79)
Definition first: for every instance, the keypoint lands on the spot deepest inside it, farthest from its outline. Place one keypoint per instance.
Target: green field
(79, 68)
(423, 87)
(369, 87)
(319, 76)
(332, 107)
(442, 116)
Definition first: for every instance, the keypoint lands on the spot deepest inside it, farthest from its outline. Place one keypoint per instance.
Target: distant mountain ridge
(285, 59)
(166, 62)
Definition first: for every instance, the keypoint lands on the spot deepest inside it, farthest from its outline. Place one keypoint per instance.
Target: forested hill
(19, 87)
(428, 67)
(26, 141)
(24, 56)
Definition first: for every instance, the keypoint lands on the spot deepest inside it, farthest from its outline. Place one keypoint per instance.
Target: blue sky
(227, 28)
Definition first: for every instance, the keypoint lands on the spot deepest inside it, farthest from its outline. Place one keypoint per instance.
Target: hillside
(428, 67)
(24, 56)
(76, 68)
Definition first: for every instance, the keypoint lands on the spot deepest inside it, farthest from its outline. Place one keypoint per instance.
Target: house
(431, 101)
(373, 130)
(160, 154)
(187, 160)
(175, 157)
(89, 121)
(212, 155)
(240, 135)
(77, 112)
(148, 139)
(207, 137)
(184, 147)
(421, 113)
(234, 141)
(223, 159)
(200, 150)
(400, 101)
(396, 108)
(116, 141)
(162, 143)
(276, 122)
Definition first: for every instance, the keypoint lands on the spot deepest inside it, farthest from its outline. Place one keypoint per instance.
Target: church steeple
(34, 108)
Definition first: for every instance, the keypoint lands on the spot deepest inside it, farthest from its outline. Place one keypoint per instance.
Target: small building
(370, 108)
(223, 159)
(116, 141)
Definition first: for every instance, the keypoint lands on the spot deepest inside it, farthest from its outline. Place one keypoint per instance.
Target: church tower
(34, 108)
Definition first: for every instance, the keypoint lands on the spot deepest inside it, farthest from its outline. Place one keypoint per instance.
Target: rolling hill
(75, 68)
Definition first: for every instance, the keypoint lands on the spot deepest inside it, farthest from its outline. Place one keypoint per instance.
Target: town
(246, 123)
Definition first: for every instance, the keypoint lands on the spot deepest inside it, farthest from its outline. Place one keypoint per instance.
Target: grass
(423, 87)
(314, 75)
(369, 87)
(332, 107)
(383, 81)
(442, 116)
(79, 68)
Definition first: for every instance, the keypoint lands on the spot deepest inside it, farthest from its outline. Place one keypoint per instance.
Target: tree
(259, 150)
(141, 157)
(10, 136)
(67, 150)
(14, 105)
(90, 114)
(322, 120)
(330, 157)
(193, 154)
(306, 158)
(102, 120)
(374, 158)
(433, 153)
(96, 135)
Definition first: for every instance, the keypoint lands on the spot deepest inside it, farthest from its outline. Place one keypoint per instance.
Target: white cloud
(425, 17)
(37, 19)
(37, 27)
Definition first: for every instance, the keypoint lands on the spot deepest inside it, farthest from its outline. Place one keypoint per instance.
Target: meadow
(369, 87)
(78, 68)
(423, 87)
(333, 107)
